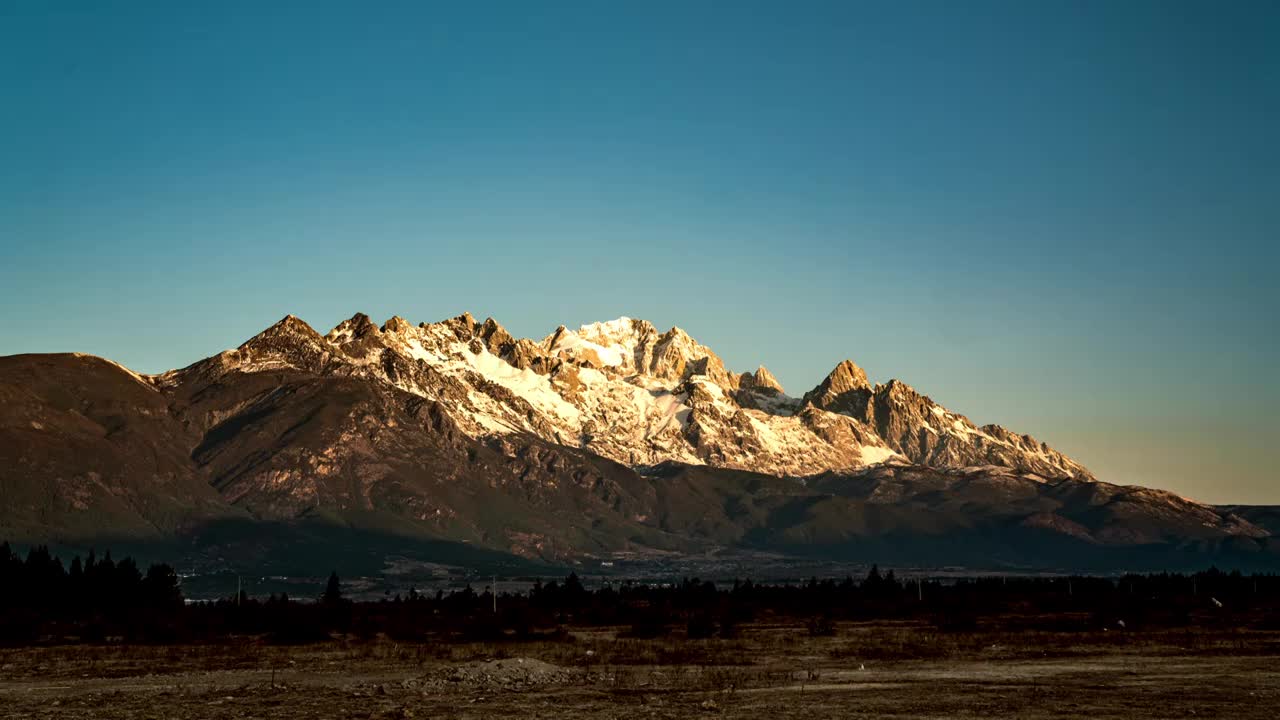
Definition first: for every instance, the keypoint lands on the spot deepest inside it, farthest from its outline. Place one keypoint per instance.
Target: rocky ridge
(628, 392)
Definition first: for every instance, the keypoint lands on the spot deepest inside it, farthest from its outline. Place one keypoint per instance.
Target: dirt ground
(771, 672)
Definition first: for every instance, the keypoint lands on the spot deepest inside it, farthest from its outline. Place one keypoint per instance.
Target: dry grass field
(771, 671)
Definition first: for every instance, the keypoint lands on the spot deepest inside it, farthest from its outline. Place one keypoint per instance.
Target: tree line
(103, 600)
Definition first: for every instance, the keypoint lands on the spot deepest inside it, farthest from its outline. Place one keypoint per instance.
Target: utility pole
(238, 591)
(495, 594)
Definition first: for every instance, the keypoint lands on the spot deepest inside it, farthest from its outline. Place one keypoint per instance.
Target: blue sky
(1058, 216)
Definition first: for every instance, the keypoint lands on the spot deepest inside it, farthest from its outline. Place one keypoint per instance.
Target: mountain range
(612, 441)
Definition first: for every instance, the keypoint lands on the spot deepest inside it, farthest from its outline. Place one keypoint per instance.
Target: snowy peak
(624, 390)
(624, 333)
(627, 346)
(591, 346)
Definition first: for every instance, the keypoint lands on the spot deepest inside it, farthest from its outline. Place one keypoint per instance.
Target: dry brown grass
(770, 670)
(757, 646)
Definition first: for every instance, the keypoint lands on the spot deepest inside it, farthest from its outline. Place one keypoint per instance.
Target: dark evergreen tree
(332, 590)
(160, 588)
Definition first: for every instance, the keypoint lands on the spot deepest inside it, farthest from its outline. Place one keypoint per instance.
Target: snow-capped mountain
(624, 390)
(613, 440)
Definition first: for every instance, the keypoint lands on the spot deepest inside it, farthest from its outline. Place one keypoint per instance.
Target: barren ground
(873, 670)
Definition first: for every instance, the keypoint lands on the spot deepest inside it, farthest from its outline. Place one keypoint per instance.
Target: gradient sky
(1059, 216)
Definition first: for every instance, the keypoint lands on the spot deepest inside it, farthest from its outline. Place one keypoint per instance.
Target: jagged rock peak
(288, 343)
(677, 355)
(896, 388)
(495, 337)
(463, 326)
(356, 326)
(762, 378)
(396, 324)
(677, 332)
(844, 390)
(845, 377)
(491, 330)
(293, 322)
(289, 325)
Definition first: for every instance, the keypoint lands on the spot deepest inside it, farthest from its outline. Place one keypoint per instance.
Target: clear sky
(1057, 216)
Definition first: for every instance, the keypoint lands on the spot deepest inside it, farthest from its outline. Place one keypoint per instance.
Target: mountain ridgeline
(612, 441)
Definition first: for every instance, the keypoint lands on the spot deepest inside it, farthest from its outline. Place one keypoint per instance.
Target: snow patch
(531, 386)
(577, 347)
(872, 454)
